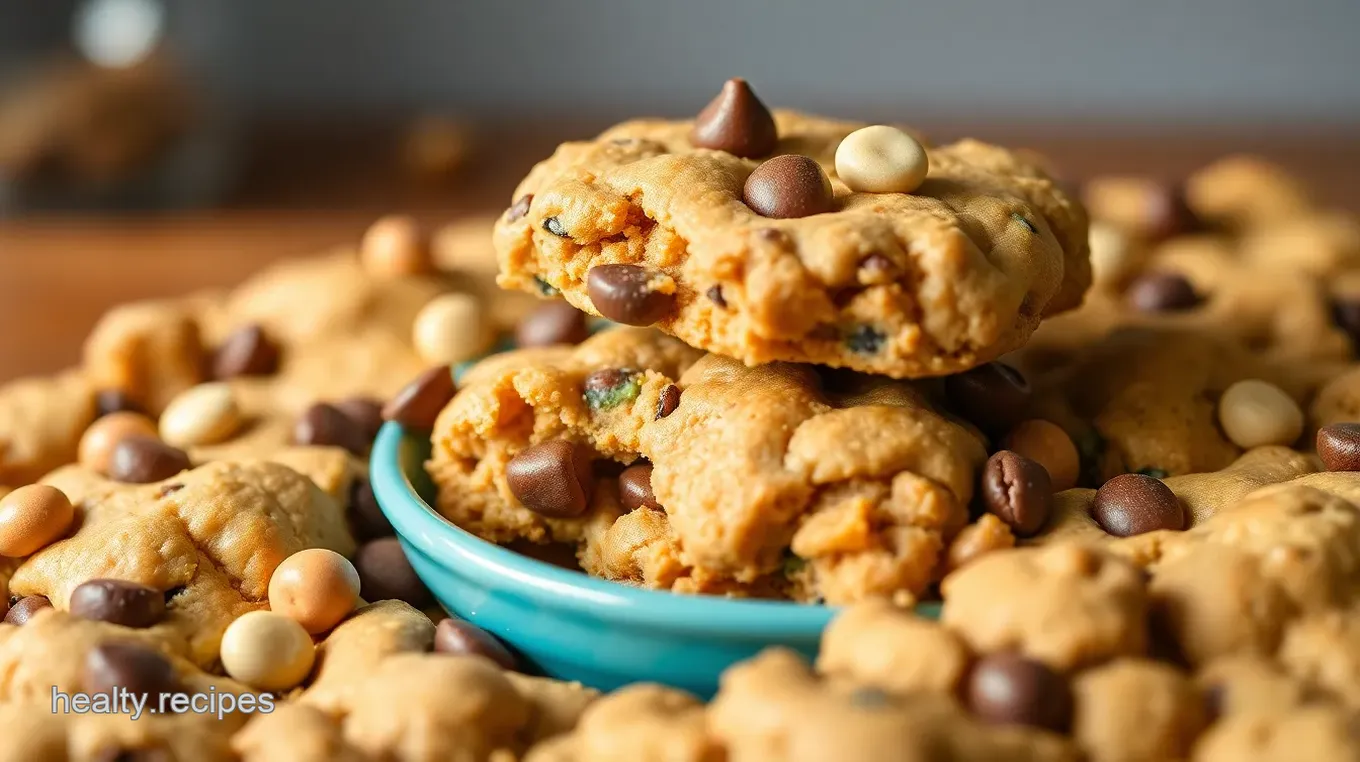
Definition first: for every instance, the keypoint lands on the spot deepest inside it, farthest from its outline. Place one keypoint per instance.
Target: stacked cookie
(771, 424)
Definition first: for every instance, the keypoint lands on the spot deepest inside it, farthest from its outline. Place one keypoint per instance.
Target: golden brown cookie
(906, 285)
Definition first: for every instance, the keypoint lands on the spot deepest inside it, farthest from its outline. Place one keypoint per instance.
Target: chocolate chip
(386, 574)
(1017, 490)
(551, 324)
(419, 403)
(140, 754)
(1008, 689)
(1154, 472)
(864, 340)
(323, 425)
(554, 226)
(992, 396)
(118, 602)
(736, 122)
(108, 401)
(248, 351)
(143, 460)
(23, 610)
(668, 402)
(520, 208)
(553, 478)
(1131, 504)
(455, 636)
(1161, 292)
(169, 489)
(624, 294)
(1338, 445)
(1346, 315)
(788, 186)
(1169, 213)
(611, 387)
(545, 288)
(715, 295)
(366, 413)
(365, 516)
(137, 669)
(1020, 218)
(635, 488)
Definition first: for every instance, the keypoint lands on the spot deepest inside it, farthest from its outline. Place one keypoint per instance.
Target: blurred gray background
(1143, 61)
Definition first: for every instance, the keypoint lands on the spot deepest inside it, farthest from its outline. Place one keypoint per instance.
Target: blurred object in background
(100, 113)
(436, 148)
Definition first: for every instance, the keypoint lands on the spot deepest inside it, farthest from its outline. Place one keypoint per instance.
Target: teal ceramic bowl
(566, 624)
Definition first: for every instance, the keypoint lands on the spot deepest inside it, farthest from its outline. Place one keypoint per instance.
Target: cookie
(835, 489)
(41, 420)
(645, 227)
(1136, 709)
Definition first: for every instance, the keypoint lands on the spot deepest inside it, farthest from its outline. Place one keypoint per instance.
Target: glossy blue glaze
(568, 625)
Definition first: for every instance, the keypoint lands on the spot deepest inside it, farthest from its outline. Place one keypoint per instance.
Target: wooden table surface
(58, 274)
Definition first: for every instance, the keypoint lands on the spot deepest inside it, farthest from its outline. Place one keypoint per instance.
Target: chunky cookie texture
(828, 487)
(765, 259)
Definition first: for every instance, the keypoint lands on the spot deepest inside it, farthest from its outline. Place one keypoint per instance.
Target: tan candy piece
(396, 246)
(100, 439)
(1255, 413)
(1051, 447)
(315, 587)
(267, 651)
(206, 414)
(881, 159)
(450, 329)
(32, 517)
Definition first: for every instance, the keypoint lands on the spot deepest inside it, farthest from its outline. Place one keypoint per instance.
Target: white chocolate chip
(1255, 413)
(452, 328)
(881, 159)
(267, 651)
(205, 414)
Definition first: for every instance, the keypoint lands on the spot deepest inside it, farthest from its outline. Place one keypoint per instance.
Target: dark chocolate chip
(1018, 491)
(625, 294)
(455, 636)
(551, 324)
(108, 401)
(668, 402)
(992, 396)
(1169, 213)
(1346, 315)
(118, 602)
(139, 754)
(323, 425)
(554, 479)
(736, 122)
(419, 403)
(365, 516)
(611, 387)
(635, 488)
(248, 351)
(554, 226)
(789, 186)
(545, 288)
(386, 574)
(143, 460)
(1338, 445)
(1161, 292)
(864, 340)
(23, 610)
(715, 295)
(137, 669)
(1020, 218)
(1008, 689)
(519, 208)
(1131, 504)
(366, 413)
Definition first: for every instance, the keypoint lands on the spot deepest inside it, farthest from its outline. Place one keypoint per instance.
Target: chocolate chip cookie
(734, 233)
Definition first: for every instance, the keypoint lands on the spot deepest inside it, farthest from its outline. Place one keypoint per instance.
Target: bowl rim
(493, 567)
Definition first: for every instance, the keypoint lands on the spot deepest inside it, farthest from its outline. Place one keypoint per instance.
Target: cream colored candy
(1050, 446)
(396, 246)
(1112, 257)
(267, 651)
(205, 414)
(98, 441)
(1255, 413)
(315, 587)
(452, 328)
(881, 159)
(33, 517)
